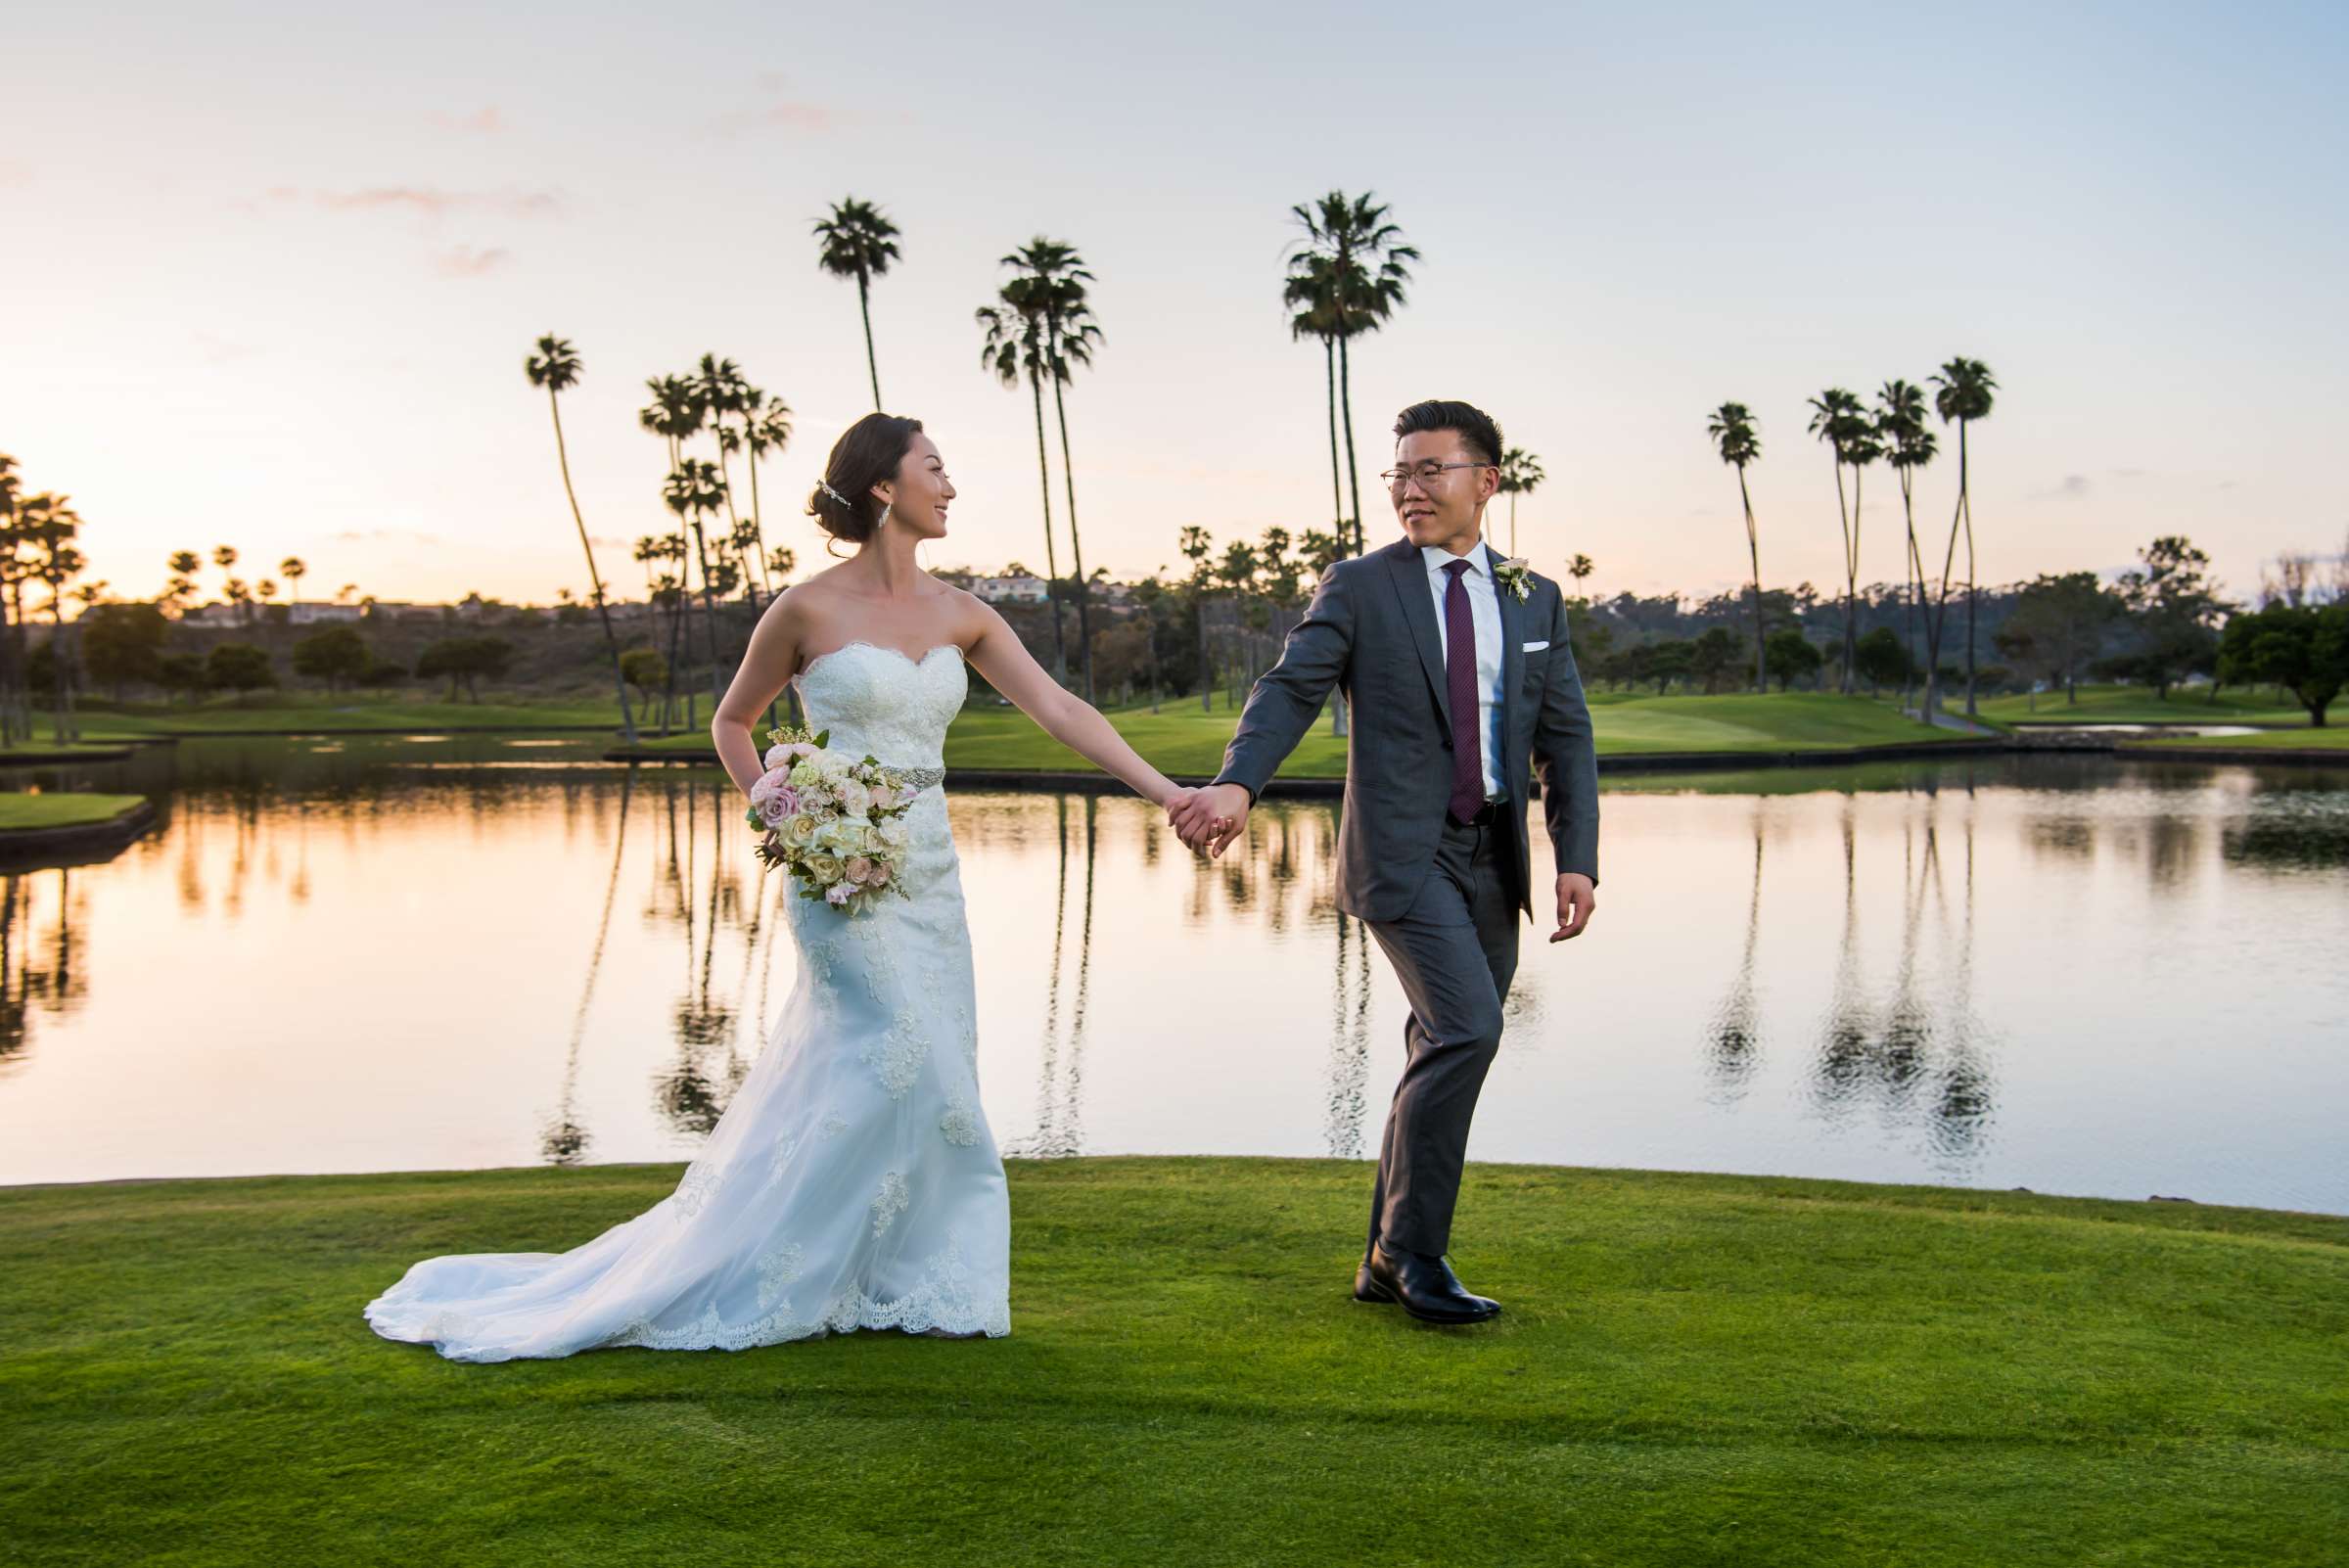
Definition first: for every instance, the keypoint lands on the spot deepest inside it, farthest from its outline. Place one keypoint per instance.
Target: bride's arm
(770, 660)
(1000, 656)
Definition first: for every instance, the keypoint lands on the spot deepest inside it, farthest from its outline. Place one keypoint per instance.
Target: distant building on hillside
(393, 610)
(322, 614)
(214, 615)
(1021, 589)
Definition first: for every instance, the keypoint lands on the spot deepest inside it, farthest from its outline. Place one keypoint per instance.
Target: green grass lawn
(2136, 705)
(315, 711)
(1184, 742)
(2335, 737)
(20, 811)
(1690, 1370)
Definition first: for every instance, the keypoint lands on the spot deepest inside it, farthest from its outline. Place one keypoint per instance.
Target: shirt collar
(1480, 560)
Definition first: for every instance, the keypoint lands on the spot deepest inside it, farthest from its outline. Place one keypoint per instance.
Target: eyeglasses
(1425, 472)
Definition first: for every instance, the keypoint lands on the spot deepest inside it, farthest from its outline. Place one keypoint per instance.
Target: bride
(852, 1182)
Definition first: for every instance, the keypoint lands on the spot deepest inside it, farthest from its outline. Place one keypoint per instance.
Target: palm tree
(184, 564)
(1579, 568)
(556, 367)
(1367, 272)
(1071, 335)
(294, 569)
(55, 562)
(767, 428)
(1964, 396)
(1312, 287)
(1837, 421)
(677, 414)
(1520, 475)
(1731, 427)
(724, 392)
(858, 243)
(1908, 446)
(1015, 348)
(224, 556)
(694, 490)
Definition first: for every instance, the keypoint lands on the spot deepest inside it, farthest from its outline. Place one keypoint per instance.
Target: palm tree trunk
(57, 664)
(864, 307)
(1938, 617)
(757, 529)
(1911, 588)
(700, 551)
(1084, 616)
(1753, 545)
(1843, 525)
(677, 610)
(1044, 468)
(620, 684)
(1337, 495)
(1354, 477)
(725, 480)
(1851, 590)
(1973, 592)
(1338, 713)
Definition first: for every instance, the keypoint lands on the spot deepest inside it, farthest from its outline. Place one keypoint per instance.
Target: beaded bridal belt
(921, 778)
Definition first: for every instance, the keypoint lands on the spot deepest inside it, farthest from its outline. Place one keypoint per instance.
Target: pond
(2075, 974)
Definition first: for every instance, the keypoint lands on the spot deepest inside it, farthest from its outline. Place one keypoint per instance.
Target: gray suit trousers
(1455, 951)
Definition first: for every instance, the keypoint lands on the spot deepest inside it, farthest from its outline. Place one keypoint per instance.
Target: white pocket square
(1537, 647)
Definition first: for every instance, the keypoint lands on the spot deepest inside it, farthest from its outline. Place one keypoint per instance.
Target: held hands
(1576, 899)
(1208, 819)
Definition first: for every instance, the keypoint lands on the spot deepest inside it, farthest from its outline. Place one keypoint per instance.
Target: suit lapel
(1512, 661)
(1409, 571)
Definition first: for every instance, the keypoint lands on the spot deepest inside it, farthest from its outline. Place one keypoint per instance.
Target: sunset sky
(271, 270)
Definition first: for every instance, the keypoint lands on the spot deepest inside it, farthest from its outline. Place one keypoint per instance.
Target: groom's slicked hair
(1471, 423)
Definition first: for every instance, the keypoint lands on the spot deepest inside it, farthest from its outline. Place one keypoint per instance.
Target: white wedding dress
(853, 1181)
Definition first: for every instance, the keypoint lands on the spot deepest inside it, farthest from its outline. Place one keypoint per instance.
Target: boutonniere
(1515, 575)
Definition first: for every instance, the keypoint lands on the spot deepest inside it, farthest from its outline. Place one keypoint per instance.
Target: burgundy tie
(1459, 685)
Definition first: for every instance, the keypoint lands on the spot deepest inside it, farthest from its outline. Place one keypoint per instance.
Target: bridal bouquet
(836, 825)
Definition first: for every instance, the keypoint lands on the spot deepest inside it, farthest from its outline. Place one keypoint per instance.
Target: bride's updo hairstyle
(868, 452)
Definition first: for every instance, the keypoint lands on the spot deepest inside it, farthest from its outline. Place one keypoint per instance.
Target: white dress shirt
(1483, 607)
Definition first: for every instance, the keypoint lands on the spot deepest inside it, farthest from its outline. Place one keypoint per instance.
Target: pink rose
(779, 806)
(880, 874)
(764, 790)
(859, 869)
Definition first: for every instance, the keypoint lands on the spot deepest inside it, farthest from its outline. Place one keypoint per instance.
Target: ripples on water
(2068, 973)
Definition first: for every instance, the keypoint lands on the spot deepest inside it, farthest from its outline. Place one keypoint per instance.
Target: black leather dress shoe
(1423, 1285)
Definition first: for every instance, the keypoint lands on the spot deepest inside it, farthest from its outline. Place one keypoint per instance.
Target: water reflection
(37, 973)
(1912, 1054)
(475, 965)
(1734, 1040)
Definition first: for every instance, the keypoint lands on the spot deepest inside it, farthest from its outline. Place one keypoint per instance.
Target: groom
(1457, 666)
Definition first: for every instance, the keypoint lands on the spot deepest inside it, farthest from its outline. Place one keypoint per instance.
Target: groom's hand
(1577, 897)
(1212, 818)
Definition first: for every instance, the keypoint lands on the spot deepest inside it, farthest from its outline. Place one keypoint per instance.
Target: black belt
(1486, 814)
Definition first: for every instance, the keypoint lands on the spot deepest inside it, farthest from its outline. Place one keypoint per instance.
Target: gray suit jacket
(1372, 631)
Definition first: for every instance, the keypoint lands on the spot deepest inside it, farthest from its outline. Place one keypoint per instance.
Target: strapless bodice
(879, 702)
